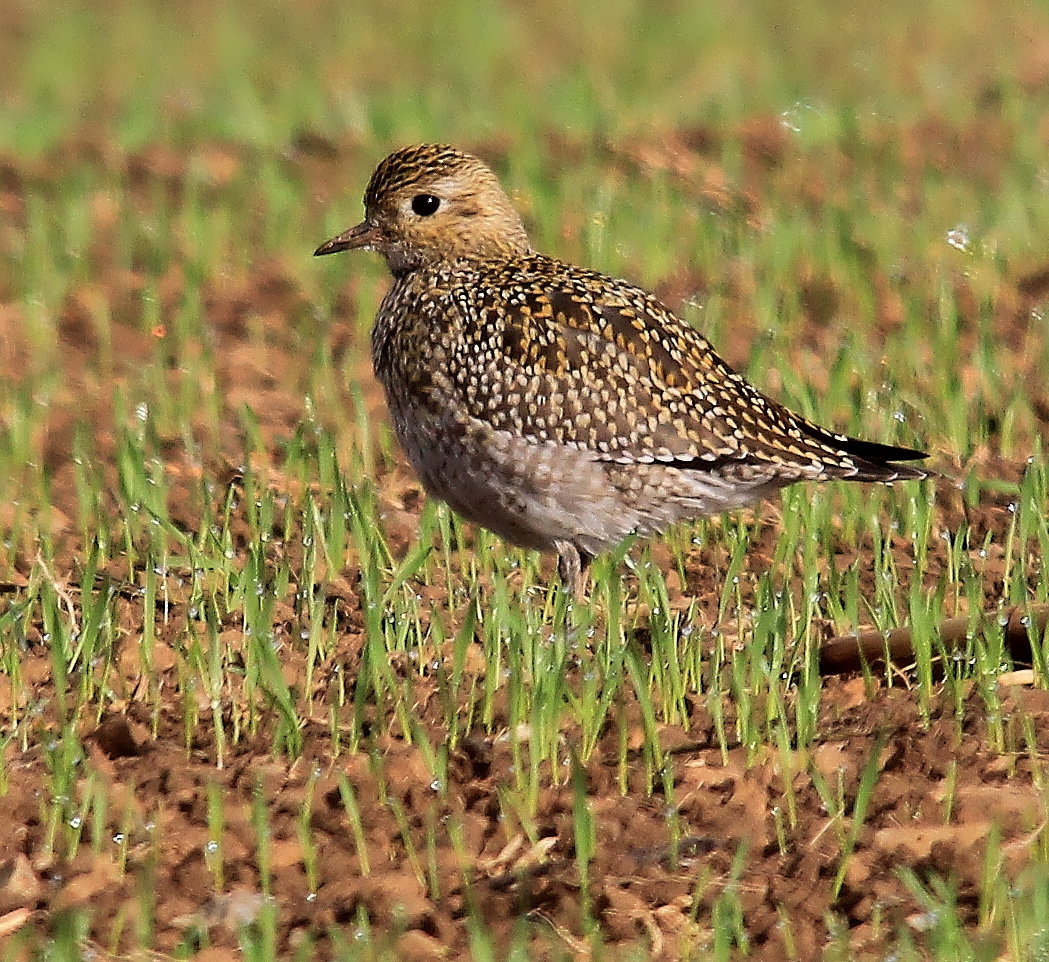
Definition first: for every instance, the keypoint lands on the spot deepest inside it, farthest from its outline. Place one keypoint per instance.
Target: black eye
(425, 204)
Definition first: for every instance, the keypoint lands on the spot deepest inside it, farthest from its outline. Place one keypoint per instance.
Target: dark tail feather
(878, 462)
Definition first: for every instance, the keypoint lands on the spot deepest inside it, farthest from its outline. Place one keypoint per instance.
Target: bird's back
(557, 354)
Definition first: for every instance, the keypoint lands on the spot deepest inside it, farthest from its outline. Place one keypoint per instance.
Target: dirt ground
(938, 799)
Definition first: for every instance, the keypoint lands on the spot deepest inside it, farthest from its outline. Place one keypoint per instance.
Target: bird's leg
(573, 564)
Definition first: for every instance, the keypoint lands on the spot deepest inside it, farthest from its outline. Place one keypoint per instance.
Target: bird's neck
(477, 258)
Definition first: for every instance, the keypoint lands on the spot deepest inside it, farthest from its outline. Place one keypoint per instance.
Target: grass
(201, 503)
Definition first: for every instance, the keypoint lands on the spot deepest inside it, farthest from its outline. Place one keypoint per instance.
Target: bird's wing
(575, 357)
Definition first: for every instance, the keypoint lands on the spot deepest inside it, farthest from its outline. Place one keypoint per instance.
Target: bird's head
(433, 204)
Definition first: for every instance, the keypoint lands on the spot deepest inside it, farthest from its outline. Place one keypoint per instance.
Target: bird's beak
(362, 237)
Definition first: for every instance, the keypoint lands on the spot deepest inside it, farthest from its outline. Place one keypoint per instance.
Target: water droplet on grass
(791, 117)
(958, 237)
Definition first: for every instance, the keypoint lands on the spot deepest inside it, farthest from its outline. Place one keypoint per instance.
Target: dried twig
(851, 652)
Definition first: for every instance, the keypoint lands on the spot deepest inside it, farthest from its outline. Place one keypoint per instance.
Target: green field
(259, 698)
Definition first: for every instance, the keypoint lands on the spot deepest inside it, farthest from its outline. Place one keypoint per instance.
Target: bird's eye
(425, 204)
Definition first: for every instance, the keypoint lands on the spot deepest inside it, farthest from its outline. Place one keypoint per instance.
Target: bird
(558, 407)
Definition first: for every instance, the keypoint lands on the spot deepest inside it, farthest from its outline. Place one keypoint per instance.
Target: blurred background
(130, 73)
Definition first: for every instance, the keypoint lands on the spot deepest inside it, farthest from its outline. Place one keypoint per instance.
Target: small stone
(416, 946)
(19, 885)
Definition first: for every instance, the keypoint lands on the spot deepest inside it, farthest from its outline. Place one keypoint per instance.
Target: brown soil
(946, 784)
(647, 881)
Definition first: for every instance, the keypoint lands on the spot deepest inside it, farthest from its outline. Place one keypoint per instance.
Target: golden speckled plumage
(558, 407)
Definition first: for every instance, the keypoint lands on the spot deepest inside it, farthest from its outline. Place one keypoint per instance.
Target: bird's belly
(534, 494)
(530, 494)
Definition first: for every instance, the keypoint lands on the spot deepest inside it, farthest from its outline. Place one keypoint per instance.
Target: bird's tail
(880, 462)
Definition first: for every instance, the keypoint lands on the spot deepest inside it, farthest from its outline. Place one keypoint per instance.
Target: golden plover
(553, 405)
